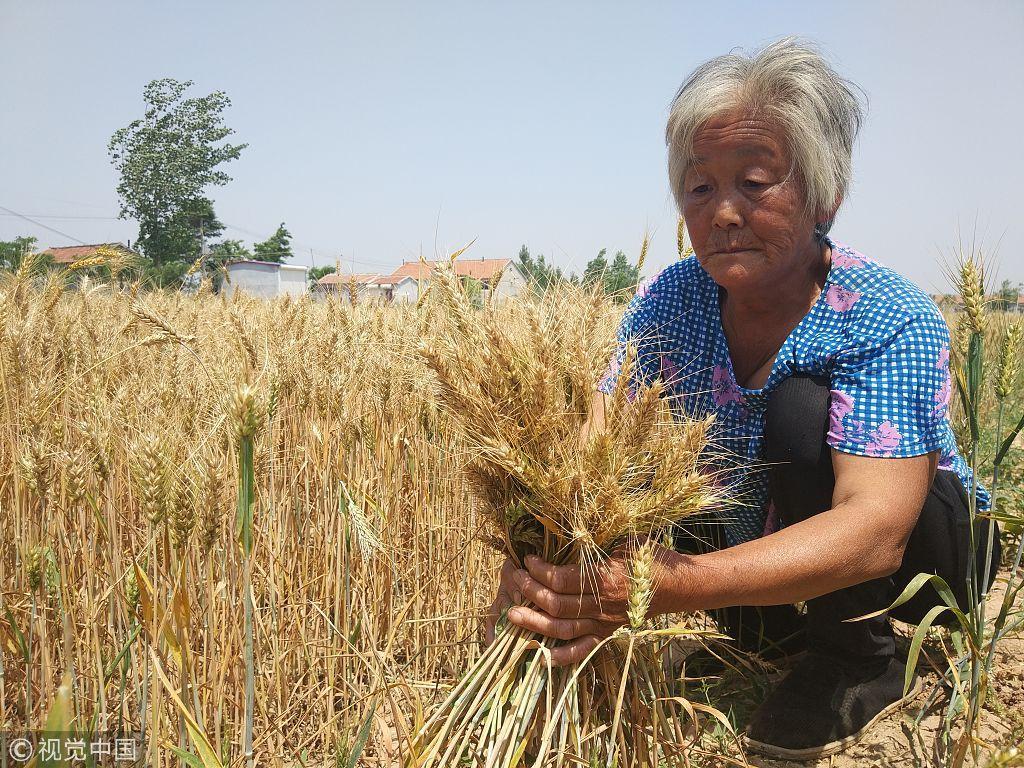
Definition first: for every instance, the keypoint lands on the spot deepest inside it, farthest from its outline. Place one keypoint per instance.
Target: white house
(368, 286)
(500, 277)
(266, 279)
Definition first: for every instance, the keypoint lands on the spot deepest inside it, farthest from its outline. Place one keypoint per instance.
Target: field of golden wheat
(125, 560)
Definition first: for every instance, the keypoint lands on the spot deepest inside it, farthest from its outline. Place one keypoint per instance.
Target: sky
(381, 130)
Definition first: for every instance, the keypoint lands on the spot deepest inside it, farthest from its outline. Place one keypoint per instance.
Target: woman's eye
(753, 184)
(700, 189)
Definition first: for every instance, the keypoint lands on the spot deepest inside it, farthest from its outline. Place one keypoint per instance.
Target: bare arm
(875, 506)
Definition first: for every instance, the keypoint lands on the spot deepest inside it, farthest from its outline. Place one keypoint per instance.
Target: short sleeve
(638, 327)
(890, 390)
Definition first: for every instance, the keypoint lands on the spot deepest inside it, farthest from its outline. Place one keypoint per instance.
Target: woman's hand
(508, 595)
(569, 605)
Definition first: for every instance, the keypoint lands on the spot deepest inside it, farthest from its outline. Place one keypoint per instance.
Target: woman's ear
(830, 215)
(823, 221)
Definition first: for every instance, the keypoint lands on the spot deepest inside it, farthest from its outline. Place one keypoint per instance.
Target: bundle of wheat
(572, 495)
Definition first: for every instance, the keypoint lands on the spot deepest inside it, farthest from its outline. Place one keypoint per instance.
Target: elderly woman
(828, 374)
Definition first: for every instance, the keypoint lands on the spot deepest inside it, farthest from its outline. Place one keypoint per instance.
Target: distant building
(368, 286)
(69, 254)
(498, 277)
(265, 279)
(406, 282)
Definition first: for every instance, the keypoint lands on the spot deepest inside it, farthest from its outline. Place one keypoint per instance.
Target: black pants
(801, 483)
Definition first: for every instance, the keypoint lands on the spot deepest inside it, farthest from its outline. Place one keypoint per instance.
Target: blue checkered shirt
(880, 339)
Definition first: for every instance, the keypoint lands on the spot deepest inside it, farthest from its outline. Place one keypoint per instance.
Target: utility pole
(204, 251)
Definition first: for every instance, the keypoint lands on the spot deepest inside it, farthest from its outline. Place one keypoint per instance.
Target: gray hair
(793, 85)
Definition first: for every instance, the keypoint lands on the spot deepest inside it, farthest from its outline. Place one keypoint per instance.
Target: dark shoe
(825, 704)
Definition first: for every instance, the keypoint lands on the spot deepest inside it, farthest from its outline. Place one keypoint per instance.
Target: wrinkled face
(743, 208)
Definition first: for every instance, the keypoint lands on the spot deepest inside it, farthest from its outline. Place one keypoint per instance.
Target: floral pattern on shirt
(878, 338)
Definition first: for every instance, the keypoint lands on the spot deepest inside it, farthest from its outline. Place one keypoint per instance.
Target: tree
(13, 251)
(315, 273)
(181, 238)
(166, 160)
(229, 250)
(618, 280)
(1007, 295)
(596, 269)
(622, 278)
(275, 248)
(538, 272)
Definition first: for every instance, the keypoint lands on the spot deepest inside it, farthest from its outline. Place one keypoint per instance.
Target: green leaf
(916, 585)
(916, 642)
(207, 754)
(188, 757)
(361, 737)
(246, 495)
(22, 644)
(1008, 442)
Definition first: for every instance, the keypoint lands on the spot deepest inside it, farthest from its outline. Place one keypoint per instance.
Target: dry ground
(897, 743)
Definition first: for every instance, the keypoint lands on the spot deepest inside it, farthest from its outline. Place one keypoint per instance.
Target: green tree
(1007, 295)
(315, 273)
(13, 251)
(166, 160)
(181, 238)
(596, 269)
(617, 279)
(538, 272)
(622, 278)
(275, 248)
(219, 254)
(229, 250)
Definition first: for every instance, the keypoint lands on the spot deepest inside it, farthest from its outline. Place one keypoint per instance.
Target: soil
(896, 740)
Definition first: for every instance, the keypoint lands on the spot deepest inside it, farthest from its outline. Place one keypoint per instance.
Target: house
(498, 277)
(368, 286)
(265, 279)
(69, 254)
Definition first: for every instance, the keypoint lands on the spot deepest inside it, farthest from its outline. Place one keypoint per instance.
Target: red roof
(481, 269)
(69, 254)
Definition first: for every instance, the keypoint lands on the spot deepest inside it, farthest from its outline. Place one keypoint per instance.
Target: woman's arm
(876, 504)
(875, 507)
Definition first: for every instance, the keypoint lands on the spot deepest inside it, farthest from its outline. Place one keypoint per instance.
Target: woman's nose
(727, 212)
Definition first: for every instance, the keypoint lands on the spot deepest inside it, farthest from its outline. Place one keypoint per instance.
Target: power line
(34, 219)
(63, 218)
(44, 226)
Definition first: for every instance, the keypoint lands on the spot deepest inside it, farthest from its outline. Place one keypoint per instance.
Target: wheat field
(123, 578)
(120, 561)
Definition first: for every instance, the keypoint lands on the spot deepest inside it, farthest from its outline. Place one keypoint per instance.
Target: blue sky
(376, 129)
